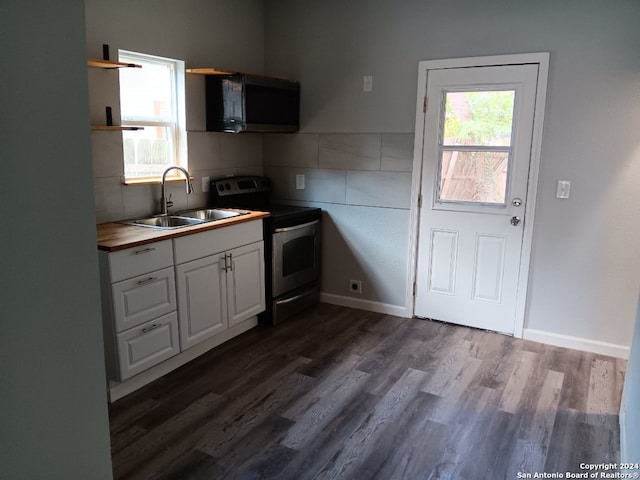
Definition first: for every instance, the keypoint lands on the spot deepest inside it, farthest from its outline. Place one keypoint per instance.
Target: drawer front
(140, 299)
(147, 345)
(140, 260)
(200, 245)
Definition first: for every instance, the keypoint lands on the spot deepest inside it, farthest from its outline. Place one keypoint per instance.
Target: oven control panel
(240, 185)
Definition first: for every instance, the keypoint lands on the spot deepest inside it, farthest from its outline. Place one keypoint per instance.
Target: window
(152, 97)
(475, 147)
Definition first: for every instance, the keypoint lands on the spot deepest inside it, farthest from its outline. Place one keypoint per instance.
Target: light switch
(563, 189)
(205, 184)
(299, 182)
(367, 83)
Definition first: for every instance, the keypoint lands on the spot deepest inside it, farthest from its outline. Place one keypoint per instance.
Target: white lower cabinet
(219, 291)
(161, 299)
(140, 320)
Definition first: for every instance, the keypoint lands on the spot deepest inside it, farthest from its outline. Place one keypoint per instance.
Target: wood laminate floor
(338, 393)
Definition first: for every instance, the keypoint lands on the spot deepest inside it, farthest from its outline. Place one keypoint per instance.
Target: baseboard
(368, 305)
(577, 343)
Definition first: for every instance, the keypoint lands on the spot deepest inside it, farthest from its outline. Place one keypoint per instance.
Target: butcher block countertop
(118, 236)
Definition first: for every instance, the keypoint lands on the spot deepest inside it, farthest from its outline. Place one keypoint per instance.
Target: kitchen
(328, 48)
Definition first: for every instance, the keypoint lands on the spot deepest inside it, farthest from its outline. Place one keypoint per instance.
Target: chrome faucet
(164, 203)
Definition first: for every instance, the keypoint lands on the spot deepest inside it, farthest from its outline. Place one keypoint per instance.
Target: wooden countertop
(118, 236)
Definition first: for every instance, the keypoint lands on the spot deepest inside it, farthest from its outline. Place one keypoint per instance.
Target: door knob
(515, 221)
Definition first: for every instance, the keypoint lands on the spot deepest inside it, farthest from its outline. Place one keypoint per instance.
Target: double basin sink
(184, 219)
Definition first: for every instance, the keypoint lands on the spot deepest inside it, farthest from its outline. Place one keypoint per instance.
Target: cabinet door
(245, 282)
(147, 345)
(143, 298)
(202, 304)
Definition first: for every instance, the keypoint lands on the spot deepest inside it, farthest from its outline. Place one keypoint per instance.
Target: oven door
(296, 256)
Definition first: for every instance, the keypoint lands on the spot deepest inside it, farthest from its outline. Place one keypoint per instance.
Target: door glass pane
(473, 176)
(475, 146)
(479, 118)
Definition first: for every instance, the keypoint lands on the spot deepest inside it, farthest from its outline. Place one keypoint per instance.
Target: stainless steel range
(292, 237)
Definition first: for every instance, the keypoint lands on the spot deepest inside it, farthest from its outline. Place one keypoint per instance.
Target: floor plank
(338, 393)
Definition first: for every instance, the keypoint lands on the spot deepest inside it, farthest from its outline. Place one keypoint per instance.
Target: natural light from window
(152, 97)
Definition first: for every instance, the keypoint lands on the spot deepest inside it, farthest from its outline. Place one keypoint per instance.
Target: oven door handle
(297, 227)
(292, 299)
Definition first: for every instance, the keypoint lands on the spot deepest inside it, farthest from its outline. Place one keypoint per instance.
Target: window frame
(176, 126)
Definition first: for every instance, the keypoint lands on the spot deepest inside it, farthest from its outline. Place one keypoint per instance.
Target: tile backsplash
(210, 154)
(369, 169)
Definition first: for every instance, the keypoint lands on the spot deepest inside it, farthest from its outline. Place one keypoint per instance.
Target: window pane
(473, 176)
(479, 118)
(146, 93)
(147, 152)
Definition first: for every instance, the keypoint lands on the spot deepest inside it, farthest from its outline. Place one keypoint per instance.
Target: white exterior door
(475, 167)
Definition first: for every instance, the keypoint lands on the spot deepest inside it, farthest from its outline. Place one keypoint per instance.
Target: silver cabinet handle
(148, 280)
(228, 263)
(153, 326)
(144, 250)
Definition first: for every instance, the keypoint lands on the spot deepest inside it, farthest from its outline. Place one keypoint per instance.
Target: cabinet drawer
(199, 245)
(139, 260)
(147, 345)
(143, 298)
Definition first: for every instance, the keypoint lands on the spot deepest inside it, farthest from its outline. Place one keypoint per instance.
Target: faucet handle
(169, 202)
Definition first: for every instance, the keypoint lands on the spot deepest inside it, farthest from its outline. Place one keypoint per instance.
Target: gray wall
(629, 412)
(203, 33)
(585, 274)
(53, 423)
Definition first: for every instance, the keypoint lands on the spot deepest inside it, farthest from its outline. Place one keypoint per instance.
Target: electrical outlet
(205, 184)
(299, 182)
(355, 286)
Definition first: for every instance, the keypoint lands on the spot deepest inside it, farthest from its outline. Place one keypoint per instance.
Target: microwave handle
(297, 227)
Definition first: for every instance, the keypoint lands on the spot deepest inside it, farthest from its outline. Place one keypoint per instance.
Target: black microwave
(241, 102)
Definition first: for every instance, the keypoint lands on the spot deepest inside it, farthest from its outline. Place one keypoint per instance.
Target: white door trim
(542, 59)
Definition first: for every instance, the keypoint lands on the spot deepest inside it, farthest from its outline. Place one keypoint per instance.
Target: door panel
(245, 290)
(444, 253)
(476, 154)
(489, 268)
(202, 301)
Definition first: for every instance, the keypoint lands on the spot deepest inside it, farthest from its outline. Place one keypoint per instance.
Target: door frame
(542, 60)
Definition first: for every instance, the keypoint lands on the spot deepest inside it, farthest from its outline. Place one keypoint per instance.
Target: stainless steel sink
(211, 214)
(184, 219)
(165, 221)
